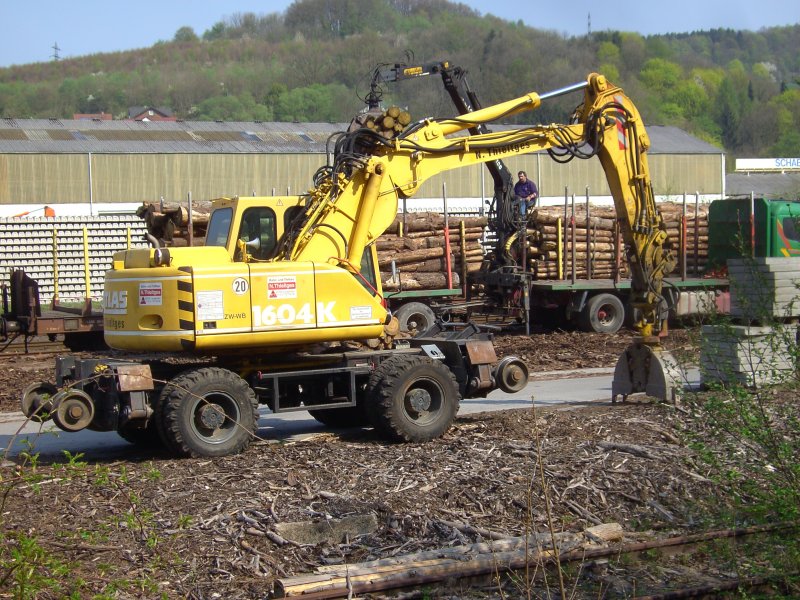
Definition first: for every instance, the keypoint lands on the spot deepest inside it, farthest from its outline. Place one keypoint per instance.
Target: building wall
(64, 178)
(116, 178)
(671, 174)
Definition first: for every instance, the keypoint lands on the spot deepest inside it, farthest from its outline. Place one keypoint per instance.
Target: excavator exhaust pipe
(649, 369)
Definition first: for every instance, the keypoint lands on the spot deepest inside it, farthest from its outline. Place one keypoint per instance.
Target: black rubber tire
(350, 416)
(389, 398)
(144, 438)
(415, 316)
(603, 313)
(211, 392)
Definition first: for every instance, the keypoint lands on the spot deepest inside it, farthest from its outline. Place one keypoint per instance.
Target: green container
(777, 229)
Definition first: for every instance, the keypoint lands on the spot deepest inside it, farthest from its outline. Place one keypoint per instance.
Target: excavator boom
(358, 199)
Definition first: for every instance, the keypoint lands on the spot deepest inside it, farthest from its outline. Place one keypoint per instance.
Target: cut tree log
(429, 221)
(418, 281)
(414, 570)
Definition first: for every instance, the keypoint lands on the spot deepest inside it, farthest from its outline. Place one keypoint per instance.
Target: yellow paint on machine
(141, 309)
(209, 306)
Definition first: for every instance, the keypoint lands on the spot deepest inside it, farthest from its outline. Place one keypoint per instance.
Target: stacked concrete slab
(30, 244)
(747, 354)
(765, 299)
(764, 288)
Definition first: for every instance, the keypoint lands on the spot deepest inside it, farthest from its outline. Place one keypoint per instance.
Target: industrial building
(97, 164)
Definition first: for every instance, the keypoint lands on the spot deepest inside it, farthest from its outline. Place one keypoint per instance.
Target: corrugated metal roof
(44, 136)
(672, 140)
(170, 137)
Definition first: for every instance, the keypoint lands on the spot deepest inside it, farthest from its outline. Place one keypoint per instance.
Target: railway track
(35, 346)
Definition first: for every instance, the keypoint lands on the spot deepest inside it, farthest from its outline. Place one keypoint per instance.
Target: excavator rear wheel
(412, 398)
(207, 412)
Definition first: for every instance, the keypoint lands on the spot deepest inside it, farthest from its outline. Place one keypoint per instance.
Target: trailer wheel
(412, 398)
(415, 316)
(603, 313)
(207, 412)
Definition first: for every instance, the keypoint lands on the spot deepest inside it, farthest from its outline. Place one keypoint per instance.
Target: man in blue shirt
(525, 192)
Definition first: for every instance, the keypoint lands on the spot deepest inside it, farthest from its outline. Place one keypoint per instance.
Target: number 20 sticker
(240, 286)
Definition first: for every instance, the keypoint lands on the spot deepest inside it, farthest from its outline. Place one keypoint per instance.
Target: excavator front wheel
(207, 412)
(412, 398)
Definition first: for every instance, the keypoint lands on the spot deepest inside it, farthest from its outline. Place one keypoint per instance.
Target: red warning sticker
(150, 294)
(281, 286)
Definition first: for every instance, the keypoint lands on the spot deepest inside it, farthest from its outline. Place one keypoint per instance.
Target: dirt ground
(153, 526)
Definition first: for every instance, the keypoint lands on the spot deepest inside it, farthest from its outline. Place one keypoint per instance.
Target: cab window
(290, 215)
(219, 227)
(368, 271)
(791, 229)
(259, 232)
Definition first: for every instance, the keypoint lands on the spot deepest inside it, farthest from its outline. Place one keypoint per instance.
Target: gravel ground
(153, 526)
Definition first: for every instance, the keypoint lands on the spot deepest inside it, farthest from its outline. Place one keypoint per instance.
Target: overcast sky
(31, 28)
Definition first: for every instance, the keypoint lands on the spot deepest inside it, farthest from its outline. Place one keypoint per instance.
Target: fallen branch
(469, 529)
(629, 448)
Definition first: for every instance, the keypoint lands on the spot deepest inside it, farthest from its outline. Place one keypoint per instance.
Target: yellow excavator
(283, 306)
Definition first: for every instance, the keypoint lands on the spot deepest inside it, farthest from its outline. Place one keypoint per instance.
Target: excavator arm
(356, 198)
(361, 202)
(454, 80)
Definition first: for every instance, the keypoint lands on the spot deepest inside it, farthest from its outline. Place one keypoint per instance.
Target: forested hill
(738, 89)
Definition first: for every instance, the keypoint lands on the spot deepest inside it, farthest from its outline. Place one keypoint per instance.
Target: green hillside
(737, 89)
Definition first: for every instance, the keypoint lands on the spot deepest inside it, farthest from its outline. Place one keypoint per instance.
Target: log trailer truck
(270, 322)
(508, 286)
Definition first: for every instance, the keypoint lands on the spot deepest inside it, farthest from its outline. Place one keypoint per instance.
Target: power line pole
(55, 55)
(589, 24)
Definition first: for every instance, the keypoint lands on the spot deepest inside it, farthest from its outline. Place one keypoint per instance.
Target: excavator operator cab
(258, 231)
(251, 227)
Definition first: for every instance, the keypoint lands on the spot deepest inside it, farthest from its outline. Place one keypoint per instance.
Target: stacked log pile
(416, 244)
(169, 223)
(696, 234)
(594, 245)
(598, 249)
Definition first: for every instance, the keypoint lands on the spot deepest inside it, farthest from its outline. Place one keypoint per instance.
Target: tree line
(312, 63)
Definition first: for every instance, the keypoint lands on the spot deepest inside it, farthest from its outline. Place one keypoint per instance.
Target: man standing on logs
(525, 192)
